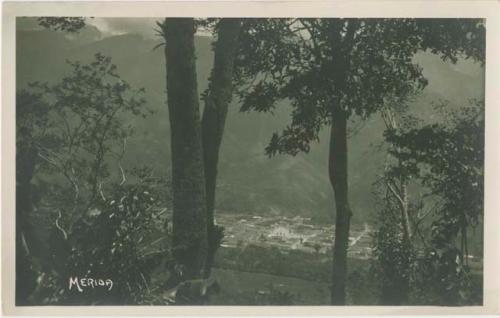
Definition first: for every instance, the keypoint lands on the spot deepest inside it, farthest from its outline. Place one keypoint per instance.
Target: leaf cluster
(84, 114)
(66, 24)
(117, 239)
(449, 159)
(324, 67)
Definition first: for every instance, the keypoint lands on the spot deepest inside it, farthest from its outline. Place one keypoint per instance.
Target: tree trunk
(338, 179)
(396, 284)
(405, 293)
(188, 179)
(405, 220)
(217, 100)
(396, 292)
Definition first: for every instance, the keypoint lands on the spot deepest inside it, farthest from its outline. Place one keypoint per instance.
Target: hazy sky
(146, 27)
(109, 26)
(115, 26)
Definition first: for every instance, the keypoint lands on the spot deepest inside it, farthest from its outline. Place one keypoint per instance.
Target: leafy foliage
(447, 159)
(31, 123)
(121, 228)
(86, 130)
(453, 37)
(331, 69)
(323, 66)
(282, 59)
(67, 24)
(102, 222)
(442, 279)
(393, 258)
(31, 118)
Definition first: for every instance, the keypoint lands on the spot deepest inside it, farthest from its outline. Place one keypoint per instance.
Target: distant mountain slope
(249, 182)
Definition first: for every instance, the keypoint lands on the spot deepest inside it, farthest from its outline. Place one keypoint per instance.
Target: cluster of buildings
(290, 233)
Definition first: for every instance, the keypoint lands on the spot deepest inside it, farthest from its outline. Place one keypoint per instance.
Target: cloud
(142, 26)
(117, 26)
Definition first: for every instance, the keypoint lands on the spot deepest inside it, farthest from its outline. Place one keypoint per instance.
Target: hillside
(249, 182)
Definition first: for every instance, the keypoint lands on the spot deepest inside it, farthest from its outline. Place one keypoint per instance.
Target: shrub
(111, 241)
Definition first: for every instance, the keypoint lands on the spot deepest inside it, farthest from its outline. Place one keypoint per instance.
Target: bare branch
(59, 227)
(124, 179)
(396, 195)
(101, 192)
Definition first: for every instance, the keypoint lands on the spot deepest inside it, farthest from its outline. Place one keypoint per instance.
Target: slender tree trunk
(338, 179)
(395, 289)
(405, 220)
(217, 100)
(402, 296)
(406, 243)
(396, 292)
(188, 179)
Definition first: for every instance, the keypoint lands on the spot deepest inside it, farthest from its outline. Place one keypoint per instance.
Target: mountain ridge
(249, 182)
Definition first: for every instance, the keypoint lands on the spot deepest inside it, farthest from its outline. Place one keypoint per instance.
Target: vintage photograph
(249, 161)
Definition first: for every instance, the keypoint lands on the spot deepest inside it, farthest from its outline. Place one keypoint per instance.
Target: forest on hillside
(249, 161)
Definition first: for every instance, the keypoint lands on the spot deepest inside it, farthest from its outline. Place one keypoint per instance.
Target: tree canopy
(350, 64)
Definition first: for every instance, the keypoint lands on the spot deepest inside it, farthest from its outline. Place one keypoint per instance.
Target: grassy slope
(242, 288)
(246, 269)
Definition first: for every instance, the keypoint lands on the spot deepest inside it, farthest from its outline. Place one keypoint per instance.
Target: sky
(110, 26)
(116, 26)
(146, 28)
